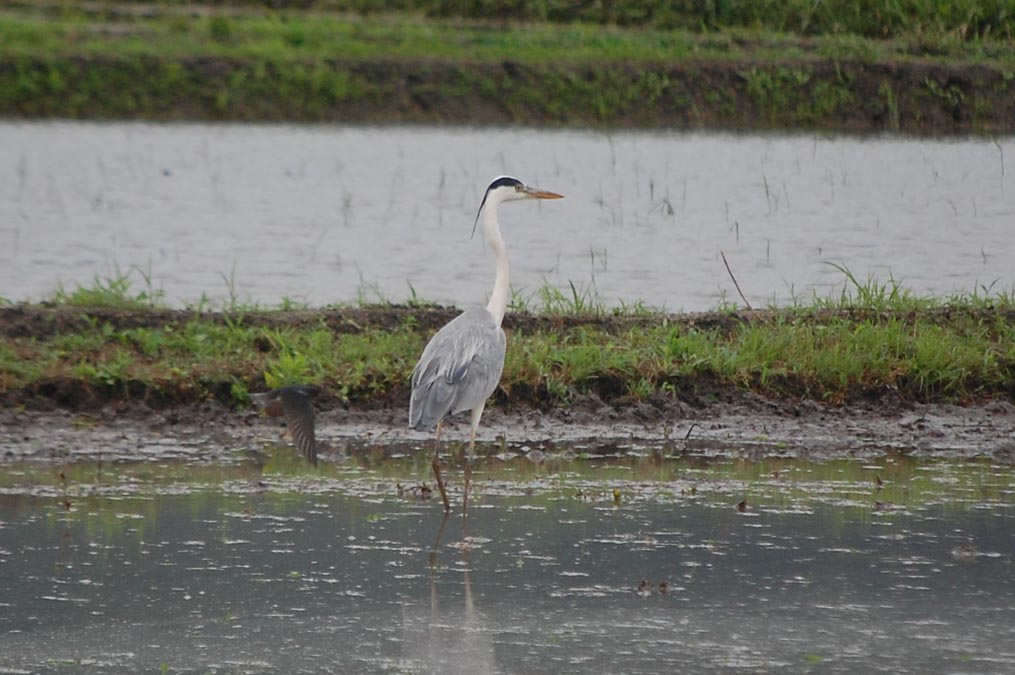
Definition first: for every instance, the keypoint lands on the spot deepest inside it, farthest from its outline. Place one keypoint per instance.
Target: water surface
(559, 568)
(327, 214)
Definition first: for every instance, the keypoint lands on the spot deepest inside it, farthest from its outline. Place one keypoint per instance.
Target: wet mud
(751, 427)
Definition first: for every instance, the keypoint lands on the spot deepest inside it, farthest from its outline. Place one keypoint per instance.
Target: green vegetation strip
(872, 341)
(299, 36)
(401, 67)
(967, 19)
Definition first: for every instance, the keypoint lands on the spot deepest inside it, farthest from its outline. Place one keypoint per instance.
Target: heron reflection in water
(450, 635)
(461, 365)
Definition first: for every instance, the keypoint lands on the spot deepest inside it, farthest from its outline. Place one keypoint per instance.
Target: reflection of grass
(127, 502)
(768, 484)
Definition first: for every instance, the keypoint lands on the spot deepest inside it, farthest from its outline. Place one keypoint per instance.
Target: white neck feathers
(501, 284)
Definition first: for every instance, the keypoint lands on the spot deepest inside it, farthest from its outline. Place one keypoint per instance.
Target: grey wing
(299, 414)
(459, 369)
(294, 403)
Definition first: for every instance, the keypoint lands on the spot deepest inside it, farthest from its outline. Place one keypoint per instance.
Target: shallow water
(327, 214)
(261, 565)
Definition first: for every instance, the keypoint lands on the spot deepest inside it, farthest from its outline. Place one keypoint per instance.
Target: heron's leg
(477, 413)
(436, 464)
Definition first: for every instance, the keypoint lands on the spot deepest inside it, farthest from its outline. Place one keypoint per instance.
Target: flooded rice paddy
(327, 214)
(630, 557)
(818, 544)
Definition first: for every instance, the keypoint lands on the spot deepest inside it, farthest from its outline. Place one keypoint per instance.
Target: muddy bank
(745, 426)
(810, 92)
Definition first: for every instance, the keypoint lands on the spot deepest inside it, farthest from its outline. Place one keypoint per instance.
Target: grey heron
(461, 365)
(294, 404)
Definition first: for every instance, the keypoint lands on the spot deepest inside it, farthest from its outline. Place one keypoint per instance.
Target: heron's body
(461, 365)
(459, 369)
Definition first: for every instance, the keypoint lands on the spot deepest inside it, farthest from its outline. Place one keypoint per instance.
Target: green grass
(870, 339)
(112, 291)
(966, 19)
(833, 361)
(755, 65)
(318, 38)
(581, 299)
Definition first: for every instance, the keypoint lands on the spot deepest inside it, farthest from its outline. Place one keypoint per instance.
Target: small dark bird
(294, 404)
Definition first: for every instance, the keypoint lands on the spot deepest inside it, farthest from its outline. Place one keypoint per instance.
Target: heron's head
(507, 189)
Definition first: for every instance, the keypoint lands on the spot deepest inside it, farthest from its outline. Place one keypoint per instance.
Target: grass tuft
(113, 291)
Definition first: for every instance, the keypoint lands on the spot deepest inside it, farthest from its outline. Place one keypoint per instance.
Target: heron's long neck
(501, 284)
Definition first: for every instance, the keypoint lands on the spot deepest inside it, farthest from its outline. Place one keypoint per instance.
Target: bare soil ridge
(741, 426)
(40, 320)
